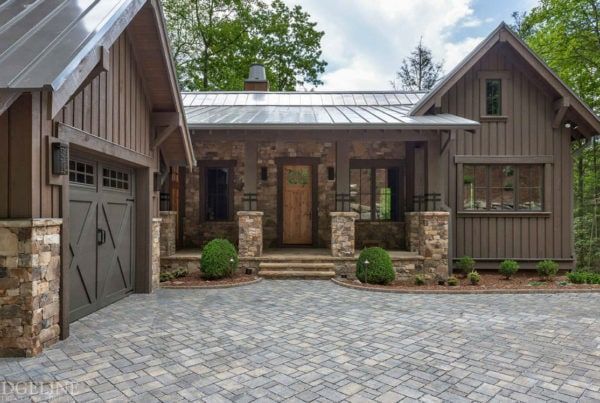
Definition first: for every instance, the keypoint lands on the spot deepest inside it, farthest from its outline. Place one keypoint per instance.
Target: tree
(566, 35)
(418, 72)
(215, 41)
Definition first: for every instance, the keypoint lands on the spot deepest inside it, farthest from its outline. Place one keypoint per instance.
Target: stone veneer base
(29, 285)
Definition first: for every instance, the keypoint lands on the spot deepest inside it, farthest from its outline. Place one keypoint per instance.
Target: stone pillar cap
(256, 213)
(351, 214)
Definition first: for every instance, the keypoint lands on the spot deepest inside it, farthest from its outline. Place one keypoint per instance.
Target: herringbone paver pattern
(314, 341)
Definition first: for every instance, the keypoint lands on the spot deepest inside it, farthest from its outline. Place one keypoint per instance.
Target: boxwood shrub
(508, 268)
(379, 270)
(547, 268)
(219, 259)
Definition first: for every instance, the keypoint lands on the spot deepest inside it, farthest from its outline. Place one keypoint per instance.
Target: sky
(366, 40)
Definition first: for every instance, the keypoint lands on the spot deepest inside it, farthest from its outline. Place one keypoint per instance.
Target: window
(374, 191)
(218, 196)
(115, 179)
(502, 187)
(493, 97)
(81, 172)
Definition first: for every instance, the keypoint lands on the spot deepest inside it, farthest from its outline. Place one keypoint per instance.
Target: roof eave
(349, 126)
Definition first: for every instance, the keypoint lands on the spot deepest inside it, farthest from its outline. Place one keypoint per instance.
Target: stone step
(297, 274)
(296, 266)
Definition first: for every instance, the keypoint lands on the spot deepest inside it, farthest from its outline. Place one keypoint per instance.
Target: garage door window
(115, 179)
(81, 172)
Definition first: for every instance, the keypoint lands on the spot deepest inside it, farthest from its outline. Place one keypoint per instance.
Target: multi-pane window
(217, 194)
(374, 193)
(81, 172)
(503, 187)
(493, 97)
(115, 179)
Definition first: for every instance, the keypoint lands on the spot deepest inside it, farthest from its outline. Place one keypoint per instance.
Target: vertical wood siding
(527, 131)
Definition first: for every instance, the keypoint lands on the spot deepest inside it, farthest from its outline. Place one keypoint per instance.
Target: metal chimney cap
(257, 73)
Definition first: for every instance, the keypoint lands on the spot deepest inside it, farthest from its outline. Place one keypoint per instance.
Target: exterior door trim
(314, 164)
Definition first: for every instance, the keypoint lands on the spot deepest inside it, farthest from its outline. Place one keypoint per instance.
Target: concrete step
(297, 274)
(296, 266)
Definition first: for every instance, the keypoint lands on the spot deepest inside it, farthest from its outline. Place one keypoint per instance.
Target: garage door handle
(101, 236)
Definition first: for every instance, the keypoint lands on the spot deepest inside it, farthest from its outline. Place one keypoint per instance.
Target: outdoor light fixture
(366, 263)
(60, 158)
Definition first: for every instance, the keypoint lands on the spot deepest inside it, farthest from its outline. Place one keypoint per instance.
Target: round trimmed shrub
(379, 270)
(219, 259)
(547, 268)
(452, 281)
(508, 268)
(474, 277)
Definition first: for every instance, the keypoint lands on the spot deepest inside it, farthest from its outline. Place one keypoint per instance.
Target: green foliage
(452, 281)
(547, 268)
(219, 259)
(171, 275)
(419, 72)
(419, 279)
(466, 264)
(508, 268)
(474, 277)
(214, 43)
(379, 269)
(536, 283)
(584, 277)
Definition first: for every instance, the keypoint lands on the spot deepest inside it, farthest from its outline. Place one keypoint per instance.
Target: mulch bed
(490, 283)
(194, 280)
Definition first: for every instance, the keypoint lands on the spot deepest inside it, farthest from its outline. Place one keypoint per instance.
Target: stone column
(342, 233)
(428, 235)
(168, 237)
(29, 285)
(156, 223)
(250, 242)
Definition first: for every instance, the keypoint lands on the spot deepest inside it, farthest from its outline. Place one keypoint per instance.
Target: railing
(427, 202)
(342, 201)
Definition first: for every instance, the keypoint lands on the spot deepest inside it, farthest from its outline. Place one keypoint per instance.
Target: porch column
(428, 235)
(250, 168)
(342, 233)
(342, 174)
(250, 242)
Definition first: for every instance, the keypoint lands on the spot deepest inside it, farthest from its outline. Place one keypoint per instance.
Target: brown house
(480, 165)
(90, 115)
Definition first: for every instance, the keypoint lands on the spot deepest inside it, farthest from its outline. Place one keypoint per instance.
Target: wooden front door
(297, 204)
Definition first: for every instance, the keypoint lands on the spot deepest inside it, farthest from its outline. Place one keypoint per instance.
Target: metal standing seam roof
(43, 41)
(311, 109)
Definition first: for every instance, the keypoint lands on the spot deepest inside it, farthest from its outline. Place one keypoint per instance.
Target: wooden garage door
(101, 234)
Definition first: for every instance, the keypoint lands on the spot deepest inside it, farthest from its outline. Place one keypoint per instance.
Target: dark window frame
(204, 165)
(489, 110)
(516, 188)
(373, 165)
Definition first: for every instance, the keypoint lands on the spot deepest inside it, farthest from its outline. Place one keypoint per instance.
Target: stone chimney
(257, 79)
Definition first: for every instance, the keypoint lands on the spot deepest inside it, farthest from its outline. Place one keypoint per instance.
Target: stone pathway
(315, 341)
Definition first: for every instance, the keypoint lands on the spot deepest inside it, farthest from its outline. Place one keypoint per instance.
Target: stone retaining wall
(156, 222)
(29, 285)
(428, 235)
(168, 239)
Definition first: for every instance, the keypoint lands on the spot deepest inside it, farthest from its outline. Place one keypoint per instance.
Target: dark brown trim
(203, 165)
(357, 163)
(65, 259)
(314, 164)
(181, 205)
(504, 159)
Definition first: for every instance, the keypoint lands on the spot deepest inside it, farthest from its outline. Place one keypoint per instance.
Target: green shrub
(474, 277)
(466, 264)
(379, 270)
(219, 259)
(452, 281)
(171, 275)
(508, 268)
(419, 279)
(547, 268)
(583, 277)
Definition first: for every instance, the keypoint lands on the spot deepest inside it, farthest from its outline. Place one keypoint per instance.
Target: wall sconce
(264, 173)
(60, 158)
(330, 173)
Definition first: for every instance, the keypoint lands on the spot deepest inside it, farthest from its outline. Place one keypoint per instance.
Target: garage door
(101, 234)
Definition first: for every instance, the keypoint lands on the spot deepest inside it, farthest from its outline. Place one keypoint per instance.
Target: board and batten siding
(527, 131)
(113, 105)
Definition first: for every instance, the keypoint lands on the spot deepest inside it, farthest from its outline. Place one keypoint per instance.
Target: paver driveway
(303, 340)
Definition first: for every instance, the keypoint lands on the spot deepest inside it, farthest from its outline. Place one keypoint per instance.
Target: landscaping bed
(194, 280)
(489, 282)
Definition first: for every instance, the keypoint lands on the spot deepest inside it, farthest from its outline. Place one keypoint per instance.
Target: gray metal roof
(43, 41)
(311, 109)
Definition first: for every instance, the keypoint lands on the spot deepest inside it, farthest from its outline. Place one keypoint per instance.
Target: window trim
(223, 164)
(504, 76)
(545, 161)
(374, 164)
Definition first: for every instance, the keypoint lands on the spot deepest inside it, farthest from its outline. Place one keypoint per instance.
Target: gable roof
(55, 45)
(319, 110)
(504, 34)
